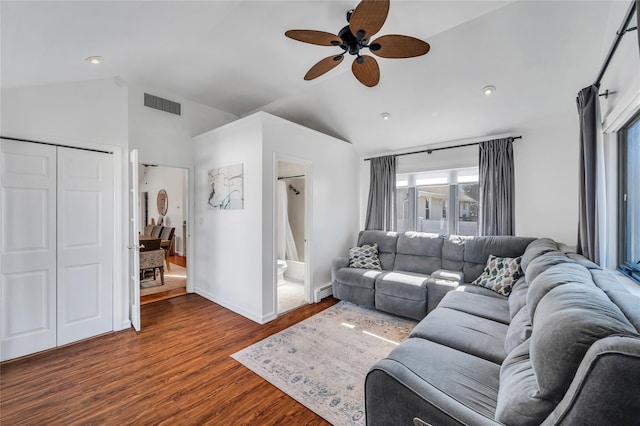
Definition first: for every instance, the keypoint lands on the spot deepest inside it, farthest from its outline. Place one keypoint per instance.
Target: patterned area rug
(322, 361)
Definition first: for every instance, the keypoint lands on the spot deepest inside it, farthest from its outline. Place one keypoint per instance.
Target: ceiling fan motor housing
(350, 42)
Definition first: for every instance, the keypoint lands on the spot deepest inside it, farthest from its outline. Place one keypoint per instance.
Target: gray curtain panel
(381, 208)
(588, 215)
(496, 187)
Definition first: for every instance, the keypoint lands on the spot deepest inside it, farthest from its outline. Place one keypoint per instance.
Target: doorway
(291, 226)
(163, 214)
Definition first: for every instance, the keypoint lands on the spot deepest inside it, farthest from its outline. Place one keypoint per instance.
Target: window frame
(629, 269)
(450, 210)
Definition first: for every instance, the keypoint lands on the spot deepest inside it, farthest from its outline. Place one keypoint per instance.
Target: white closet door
(28, 258)
(85, 244)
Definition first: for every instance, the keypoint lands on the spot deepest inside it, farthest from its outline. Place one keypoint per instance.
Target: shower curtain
(286, 245)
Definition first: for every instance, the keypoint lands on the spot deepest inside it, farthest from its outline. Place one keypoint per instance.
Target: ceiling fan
(364, 21)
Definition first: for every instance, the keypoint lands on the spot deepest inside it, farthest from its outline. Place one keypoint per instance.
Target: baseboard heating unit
(322, 292)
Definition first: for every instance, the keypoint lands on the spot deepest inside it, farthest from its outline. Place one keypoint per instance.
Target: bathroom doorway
(291, 225)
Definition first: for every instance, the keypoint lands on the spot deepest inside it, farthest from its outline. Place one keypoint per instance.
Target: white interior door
(28, 256)
(134, 242)
(85, 244)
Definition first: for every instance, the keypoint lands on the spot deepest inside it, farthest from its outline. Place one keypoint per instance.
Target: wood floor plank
(177, 370)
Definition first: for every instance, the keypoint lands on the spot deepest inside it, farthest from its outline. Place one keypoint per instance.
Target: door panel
(85, 244)
(134, 242)
(28, 258)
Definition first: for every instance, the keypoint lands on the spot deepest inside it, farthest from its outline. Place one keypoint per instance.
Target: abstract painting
(226, 187)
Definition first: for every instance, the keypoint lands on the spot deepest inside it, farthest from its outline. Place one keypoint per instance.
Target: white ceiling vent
(162, 104)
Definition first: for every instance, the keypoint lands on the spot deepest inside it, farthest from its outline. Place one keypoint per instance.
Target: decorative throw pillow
(365, 257)
(500, 274)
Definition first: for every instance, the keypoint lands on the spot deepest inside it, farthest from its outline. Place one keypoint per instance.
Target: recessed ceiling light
(385, 115)
(95, 60)
(488, 90)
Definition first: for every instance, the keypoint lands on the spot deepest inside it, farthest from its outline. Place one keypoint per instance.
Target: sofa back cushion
(478, 249)
(387, 242)
(552, 277)
(535, 249)
(453, 252)
(567, 321)
(419, 252)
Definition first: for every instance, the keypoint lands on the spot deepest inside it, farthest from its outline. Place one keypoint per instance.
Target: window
(629, 199)
(441, 202)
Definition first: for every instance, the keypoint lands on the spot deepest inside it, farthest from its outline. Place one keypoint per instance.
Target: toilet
(282, 267)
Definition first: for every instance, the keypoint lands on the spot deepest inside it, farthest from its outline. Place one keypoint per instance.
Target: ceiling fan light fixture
(488, 90)
(94, 60)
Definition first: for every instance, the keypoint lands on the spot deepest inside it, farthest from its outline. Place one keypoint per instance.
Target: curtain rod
(430, 150)
(621, 32)
(290, 177)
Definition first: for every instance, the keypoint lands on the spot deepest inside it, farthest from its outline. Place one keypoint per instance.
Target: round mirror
(163, 202)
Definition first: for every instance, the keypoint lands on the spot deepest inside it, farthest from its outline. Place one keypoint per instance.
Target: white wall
(235, 250)
(166, 139)
(333, 197)
(546, 176)
(174, 181)
(228, 243)
(109, 114)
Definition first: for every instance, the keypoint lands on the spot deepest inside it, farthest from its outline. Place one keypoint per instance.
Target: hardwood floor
(150, 298)
(176, 371)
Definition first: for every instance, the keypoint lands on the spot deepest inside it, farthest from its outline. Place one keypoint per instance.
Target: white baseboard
(237, 309)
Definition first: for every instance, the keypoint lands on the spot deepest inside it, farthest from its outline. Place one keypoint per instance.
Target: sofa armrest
(606, 386)
(444, 274)
(336, 264)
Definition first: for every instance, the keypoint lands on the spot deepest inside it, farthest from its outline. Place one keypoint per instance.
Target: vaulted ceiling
(233, 55)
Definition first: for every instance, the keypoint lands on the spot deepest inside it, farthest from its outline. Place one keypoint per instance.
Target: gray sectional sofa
(562, 348)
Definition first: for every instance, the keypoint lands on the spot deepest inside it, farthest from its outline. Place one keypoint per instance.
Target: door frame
(190, 203)
(308, 244)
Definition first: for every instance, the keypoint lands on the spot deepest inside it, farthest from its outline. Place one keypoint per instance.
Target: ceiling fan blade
(323, 66)
(368, 18)
(367, 72)
(321, 38)
(398, 46)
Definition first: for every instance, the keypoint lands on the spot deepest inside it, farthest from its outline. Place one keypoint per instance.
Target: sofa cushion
(387, 242)
(419, 252)
(492, 308)
(519, 402)
(554, 276)
(544, 262)
(518, 296)
(451, 381)
(365, 257)
(477, 251)
(519, 330)
(403, 294)
(407, 285)
(465, 332)
(358, 277)
(500, 274)
(453, 252)
(537, 248)
(567, 321)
